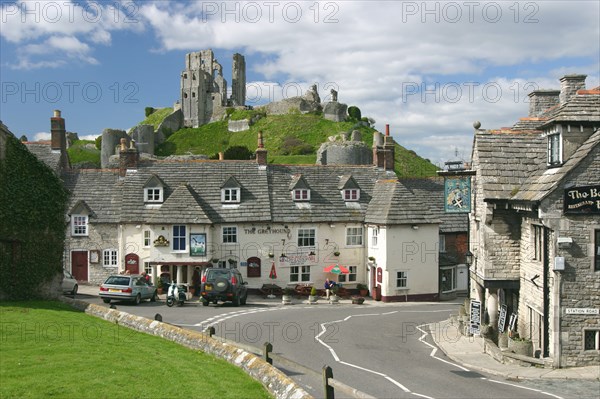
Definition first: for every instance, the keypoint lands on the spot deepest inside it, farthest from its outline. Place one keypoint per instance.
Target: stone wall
(110, 140)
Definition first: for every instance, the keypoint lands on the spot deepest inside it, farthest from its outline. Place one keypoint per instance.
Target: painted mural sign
(475, 322)
(457, 194)
(297, 259)
(582, 200)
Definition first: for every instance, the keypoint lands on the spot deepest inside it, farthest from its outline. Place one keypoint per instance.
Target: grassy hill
(290, 139)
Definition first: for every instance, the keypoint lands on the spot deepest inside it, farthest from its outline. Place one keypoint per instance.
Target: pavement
(467, 351)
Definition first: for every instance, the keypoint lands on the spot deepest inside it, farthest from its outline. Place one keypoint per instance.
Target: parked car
(226, 285)
(69, 284)
(127, 288)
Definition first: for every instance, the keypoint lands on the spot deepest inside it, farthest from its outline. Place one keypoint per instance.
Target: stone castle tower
(204, 90)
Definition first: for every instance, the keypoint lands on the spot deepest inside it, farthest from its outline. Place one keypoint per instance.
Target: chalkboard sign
(502, 319)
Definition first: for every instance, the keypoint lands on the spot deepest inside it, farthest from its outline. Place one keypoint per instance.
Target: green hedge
(32, 220)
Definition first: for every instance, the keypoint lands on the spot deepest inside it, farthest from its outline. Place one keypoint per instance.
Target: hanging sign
(457, 194)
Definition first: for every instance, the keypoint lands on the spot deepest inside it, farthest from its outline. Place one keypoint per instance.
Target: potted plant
(286, 298)
(357, 299)
(363, 290)
(334, 298)
(271, 255)
(312, 298)
(159, 285)
(336, 253)
(520, 346)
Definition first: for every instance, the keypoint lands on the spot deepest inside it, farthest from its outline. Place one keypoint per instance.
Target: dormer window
(299, 189)
(351, 194)
(231, 191)
(154, 190)
(153, 194)
(301, 194)
(230, 195)
(349, 188)
(554, 149)
(79, 225)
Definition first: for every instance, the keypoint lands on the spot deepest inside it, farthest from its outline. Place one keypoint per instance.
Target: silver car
(127, 288)
(69, 284)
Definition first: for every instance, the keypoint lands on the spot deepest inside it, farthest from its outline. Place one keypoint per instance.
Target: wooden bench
(270, 289)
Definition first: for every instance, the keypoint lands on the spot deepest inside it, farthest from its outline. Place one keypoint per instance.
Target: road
(384, 351)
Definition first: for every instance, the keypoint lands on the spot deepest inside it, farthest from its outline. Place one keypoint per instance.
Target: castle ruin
(204, 89)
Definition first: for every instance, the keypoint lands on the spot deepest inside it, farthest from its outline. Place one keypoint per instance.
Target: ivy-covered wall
(32, 223)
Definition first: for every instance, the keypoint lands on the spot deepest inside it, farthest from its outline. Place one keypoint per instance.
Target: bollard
(327, 374)
(268, 349)
(158, 317)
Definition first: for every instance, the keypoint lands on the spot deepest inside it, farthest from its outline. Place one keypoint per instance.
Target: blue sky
(429, 69)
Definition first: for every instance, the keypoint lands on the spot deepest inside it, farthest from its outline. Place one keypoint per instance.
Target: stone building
(204, 89)
(535, 224)
(169, 217)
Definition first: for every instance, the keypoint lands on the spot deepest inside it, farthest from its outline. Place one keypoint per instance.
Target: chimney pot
(57, 113)
(221, 156)
(387, 130)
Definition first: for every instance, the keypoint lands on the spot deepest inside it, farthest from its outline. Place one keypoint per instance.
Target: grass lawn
(48, 349)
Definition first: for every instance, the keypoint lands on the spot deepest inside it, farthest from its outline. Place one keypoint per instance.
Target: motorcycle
(176, 295)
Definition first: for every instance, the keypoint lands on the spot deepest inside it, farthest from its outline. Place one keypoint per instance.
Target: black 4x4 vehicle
(226, 285)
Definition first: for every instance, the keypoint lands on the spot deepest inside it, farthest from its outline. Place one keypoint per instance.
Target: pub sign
(582, 200)
(457, 194)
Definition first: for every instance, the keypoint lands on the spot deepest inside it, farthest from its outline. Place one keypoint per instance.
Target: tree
(23, 138)
(149, 111)
(238, 152)
(98, 141)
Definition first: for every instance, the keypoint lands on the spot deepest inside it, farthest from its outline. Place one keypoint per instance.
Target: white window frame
(555, 149)
(374, 236)
(301, 194)
(356, 239)
(307, 238)
(148, 268)
(229, 235)
(401, 279)
(153, 194)
(147, 238)
(299, 274)
(452, 278)
(79, 225)
(110, 258)
(178, 238)
(230, 195)
(442, 243)
(350, 277)
(351, 194)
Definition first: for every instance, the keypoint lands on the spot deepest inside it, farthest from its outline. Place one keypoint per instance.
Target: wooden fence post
(268, 349)
(327, 374)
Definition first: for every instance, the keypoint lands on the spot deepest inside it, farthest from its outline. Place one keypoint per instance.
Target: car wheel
(106, 300)
(244, 299)
(205, 302)
(154, 297)
(236, 301)
(75, 288)
(138, 299)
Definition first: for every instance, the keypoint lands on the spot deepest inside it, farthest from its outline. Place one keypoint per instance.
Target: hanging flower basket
(336, 253)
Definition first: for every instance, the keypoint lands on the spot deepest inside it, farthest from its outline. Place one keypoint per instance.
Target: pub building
(535, 225)
(170, 218)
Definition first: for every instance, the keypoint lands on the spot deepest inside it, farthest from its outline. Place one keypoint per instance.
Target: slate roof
(394, 203)
(192, 195)
(100, 189)
(326, 202)
(44, 153)
(582, 107)
(507, 159)
(545, 180)
(430, 191)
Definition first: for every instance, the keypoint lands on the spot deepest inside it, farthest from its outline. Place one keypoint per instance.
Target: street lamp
(468, 258)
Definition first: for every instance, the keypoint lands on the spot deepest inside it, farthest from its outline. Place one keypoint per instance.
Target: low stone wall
(280, 385)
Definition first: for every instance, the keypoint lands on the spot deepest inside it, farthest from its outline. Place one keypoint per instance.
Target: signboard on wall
(197, 244)
(475, 322)
(457, 194)
(582, 200)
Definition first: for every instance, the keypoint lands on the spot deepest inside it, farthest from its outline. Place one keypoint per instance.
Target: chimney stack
(377, 149)
(261, 152)
(58, 132)
(128, 157)
(569, 84)
(388, 150)
(542, 100)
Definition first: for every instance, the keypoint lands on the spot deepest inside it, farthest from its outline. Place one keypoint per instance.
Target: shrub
(149, 111)
(354, 113)
(294, 146)
(238, 152)
(313, 291)
(98, 142)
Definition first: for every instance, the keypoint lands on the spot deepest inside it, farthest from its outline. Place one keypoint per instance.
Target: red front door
(79, 265)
